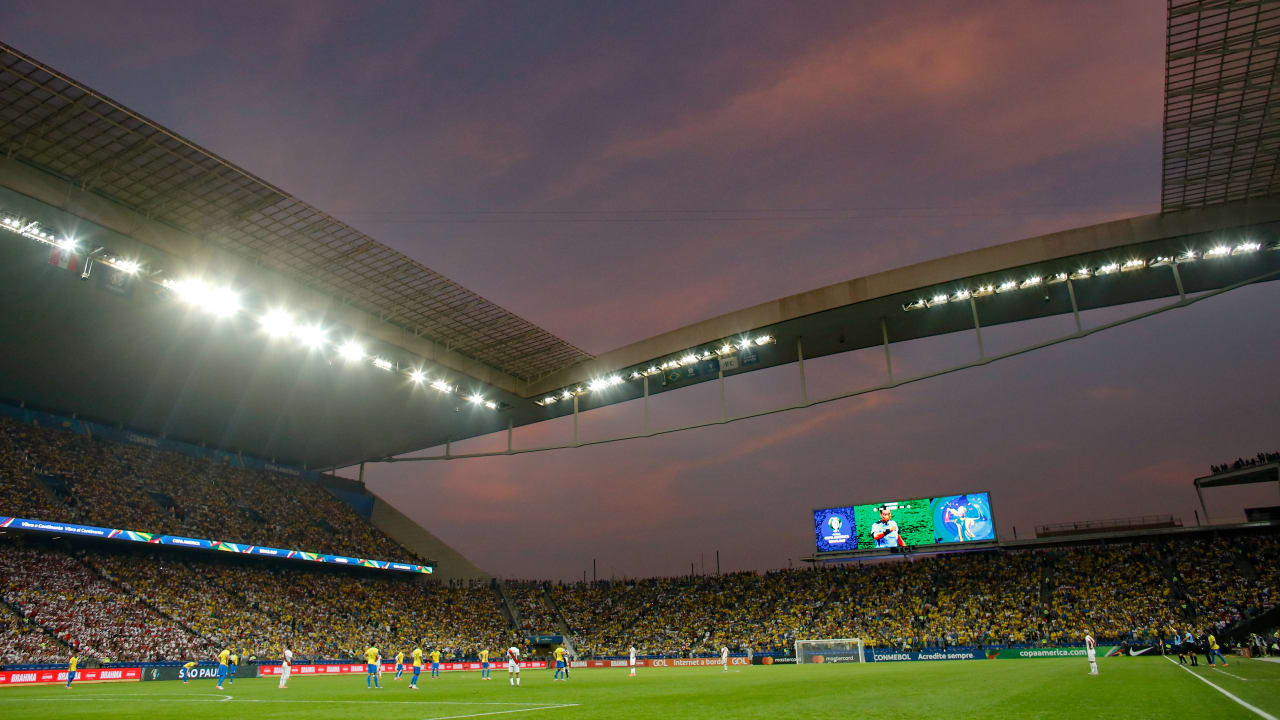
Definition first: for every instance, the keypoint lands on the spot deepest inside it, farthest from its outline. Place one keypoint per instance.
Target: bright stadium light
(937, 300)
(725, 349)
(1108, 269)
(1082, 274)
(1218, 251)
(548, 399)
(130, 267)
(418, 377)
(689, 359)
(1246, 247)
(984, 290)
(566, 395)
(278, 323)
(475, 399)
(222, 302)
(382, 363)
(1007, 286)
(1188, 256)
(351, 351)
(311, 336)
(68, 243)
(598, 384)
(764, 339)
(491, 404)
(442, 386)
(961, 295)
(1031, 282)
(1133, 264)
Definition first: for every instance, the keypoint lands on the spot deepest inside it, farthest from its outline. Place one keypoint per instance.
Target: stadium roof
(1221, 128)
(64, 128)
(77, 154)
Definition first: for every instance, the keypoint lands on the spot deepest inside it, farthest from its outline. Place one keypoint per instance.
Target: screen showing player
(835, 529)
(962, 518)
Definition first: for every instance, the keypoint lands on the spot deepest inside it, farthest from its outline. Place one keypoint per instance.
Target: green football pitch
(1041, 688)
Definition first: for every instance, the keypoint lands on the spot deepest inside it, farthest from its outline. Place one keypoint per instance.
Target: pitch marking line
(1256, 711)
(504, 712)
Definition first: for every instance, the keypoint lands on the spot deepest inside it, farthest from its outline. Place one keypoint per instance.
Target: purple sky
(612, 171)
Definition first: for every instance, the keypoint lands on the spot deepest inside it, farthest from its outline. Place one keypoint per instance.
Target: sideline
(1256, 711)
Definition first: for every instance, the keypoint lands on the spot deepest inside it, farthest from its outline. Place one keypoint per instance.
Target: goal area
(830, 650)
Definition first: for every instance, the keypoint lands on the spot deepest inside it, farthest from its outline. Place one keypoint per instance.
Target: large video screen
(905, 523)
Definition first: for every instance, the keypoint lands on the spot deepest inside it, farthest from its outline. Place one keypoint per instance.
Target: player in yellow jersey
(435, 663)
(399, 664)
(560, 664)
(417, 668)
(188, 670)
(72, 664)
(223, 669)
(231, 673)
(373, 658)
(484, 665)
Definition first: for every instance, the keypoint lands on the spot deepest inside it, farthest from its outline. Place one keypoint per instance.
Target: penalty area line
(1256, 711)
(503, 712)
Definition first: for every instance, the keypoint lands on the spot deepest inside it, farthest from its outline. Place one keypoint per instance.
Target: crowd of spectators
(535, 615)
(1261, 458)
(158, 603)
(83, 610)
(53, 474)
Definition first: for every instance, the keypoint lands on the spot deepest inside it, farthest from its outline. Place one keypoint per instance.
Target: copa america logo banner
(49, 526)
(835, 528)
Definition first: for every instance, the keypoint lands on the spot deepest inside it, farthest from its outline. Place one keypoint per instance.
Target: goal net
(843, 650)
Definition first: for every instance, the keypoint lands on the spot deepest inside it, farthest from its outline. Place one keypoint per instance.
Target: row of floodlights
(222, 301)
(684, 360)
(1084, 273)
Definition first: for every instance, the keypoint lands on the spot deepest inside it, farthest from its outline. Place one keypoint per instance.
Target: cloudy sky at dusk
(612, 171)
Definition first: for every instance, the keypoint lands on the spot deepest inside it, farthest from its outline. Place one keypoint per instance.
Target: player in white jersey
(513, 666)
(286, 666)
(1091, 648)
(724, 657)
(631, 660)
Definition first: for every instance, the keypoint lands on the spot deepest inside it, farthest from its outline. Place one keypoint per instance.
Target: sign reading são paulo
(904, 523)
(197, 543)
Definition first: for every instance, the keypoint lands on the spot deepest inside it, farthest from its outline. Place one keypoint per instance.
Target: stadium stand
(50, 474)
(1261, 458)
(151, 604)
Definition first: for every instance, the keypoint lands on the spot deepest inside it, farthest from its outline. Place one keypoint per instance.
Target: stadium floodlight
(598, 384)
(491, 404)
(917, 305)
(1188, 256)
(1218, 251)
(351, 351)
(442, 386)
(764, 339)
(1007, 286)
(311, 336)
(548, 400)
(689, 359)
(418, 377)
(725, 349)
(1246, 247)
(636, 375)
(1082, 274)
(11, 222)
(1133, 264)
(382, 363)
(961, 295)
(278, 323)
(1161, 260)
(67, 243)
(984, 290)
(1031, 282)
(566, 395)
(475, 399)
(653, 370)
(1108, 269)
(222, 302)
(615, 380)
(937, 300)
(130, 267)
(1056, 278)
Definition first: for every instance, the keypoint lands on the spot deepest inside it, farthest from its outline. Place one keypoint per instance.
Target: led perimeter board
(904, 523)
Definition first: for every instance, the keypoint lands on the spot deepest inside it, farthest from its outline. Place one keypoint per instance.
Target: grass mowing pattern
(1145, 687)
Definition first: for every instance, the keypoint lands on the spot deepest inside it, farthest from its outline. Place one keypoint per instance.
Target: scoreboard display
(904, 523)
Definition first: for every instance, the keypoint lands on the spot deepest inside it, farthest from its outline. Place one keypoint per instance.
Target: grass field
(1040, 688)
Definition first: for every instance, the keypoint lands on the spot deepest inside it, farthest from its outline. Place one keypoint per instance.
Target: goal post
(829, 650)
